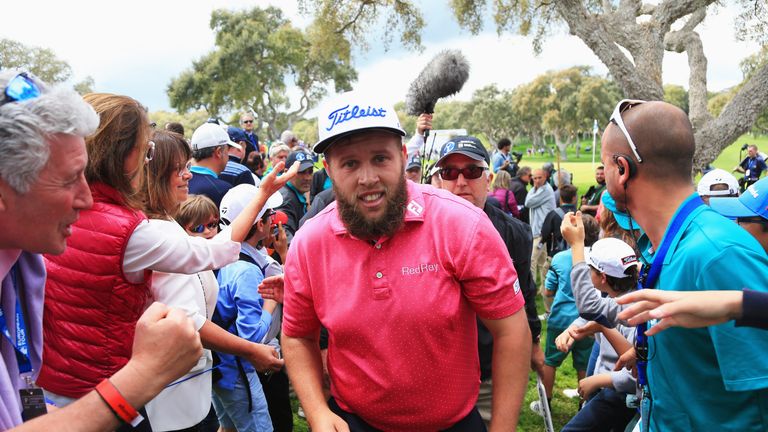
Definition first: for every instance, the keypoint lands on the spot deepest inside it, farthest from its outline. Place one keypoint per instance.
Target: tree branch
(687, 40)
(353, 21)
(670, 11)
(736, 119)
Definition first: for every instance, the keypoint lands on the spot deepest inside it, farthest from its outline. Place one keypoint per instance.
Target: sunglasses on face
(469, 173)
(150, 152)
(247, 121)
(184, 169)
(753, 219)
(201, 228)
(20, 88)
(616, 119)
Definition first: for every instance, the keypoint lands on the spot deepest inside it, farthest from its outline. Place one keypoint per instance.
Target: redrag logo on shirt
(344, 114)
(517, 286)
(415, 208)
(421, 268)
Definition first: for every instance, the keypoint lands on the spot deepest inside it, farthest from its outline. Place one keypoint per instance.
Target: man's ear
(326, 166)
(5, 191)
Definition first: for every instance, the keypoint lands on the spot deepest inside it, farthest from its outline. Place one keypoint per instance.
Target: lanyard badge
(32, 398)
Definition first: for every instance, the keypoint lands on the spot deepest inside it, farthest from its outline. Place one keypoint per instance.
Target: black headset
(630, 164)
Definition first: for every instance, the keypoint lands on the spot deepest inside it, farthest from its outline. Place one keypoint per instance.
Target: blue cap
(236, 134)
(465, 145)
(413, 162)
(621, 218)
(753, 202)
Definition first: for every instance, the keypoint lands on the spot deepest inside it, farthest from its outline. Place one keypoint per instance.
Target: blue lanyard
(21, 345)
(651, 275)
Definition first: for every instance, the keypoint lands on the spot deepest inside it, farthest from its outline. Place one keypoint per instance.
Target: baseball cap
(621, 218)
(304, 158)
(413, 162)
(211, 135)
(237, 198)
(465, 145)
(753, 202)
(236, 134)
(718, 177)
(611, 256)
(353, 112)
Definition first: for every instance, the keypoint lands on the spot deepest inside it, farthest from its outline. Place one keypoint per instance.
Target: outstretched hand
(272, 288)
(689, 309)
(271, 183)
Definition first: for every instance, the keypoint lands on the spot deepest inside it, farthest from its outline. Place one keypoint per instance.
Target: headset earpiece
(630, 164)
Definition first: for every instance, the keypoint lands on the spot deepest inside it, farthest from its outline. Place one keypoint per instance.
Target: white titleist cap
(352, 112)
(236, 199)
(612, 257)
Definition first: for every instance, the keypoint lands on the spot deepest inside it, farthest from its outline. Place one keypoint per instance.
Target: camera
(518, 155)
(744, 147)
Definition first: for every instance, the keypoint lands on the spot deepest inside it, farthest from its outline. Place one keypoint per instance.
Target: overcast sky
(136, 47)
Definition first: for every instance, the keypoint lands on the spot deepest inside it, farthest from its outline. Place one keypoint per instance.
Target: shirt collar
(302, 198)
(251, 252)
(414, 209)
(197, 169)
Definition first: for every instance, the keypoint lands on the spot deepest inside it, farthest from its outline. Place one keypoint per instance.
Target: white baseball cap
(211, 135)
(353, 112)
(718, 177)
(611, 256)
(237, 198)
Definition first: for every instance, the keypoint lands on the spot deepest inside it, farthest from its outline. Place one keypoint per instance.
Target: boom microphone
(444, 76)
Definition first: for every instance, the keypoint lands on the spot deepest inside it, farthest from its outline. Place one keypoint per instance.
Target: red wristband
(118, 404)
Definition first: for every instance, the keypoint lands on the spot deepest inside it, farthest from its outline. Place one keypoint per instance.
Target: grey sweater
(540, 201)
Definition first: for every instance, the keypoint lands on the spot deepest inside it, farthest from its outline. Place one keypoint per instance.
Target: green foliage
(676, 95)
(258, 52)
(42, 62)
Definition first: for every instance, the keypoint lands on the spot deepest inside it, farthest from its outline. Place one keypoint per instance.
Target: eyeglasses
(185, 169)
(20, 88)
(469, 173)
(247, 121)
(621, 107)
(150, 152)
(753, 219)
(201, 228)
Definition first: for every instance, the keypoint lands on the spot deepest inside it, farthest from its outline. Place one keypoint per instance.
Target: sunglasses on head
(469, 173)
(616, 119)
(201, 228)
(20, 88)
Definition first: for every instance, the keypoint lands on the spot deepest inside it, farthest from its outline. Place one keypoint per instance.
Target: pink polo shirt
(400, 314)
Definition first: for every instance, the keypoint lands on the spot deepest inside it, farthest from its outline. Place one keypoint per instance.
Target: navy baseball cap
(413, 162)
(236, 134)
(304, 158)
(753, 202)
(468, 146)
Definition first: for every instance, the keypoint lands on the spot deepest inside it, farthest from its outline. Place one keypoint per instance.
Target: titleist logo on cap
(344, 114)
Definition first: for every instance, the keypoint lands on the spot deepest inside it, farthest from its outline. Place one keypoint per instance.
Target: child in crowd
(611, 267)
(563, 313)
(199, 216)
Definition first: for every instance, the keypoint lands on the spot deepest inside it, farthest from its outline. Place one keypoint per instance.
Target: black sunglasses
(469, 173)
(247, 121)
(201, 228)
(752, 219)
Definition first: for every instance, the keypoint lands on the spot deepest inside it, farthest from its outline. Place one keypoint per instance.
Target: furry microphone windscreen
(444, 76)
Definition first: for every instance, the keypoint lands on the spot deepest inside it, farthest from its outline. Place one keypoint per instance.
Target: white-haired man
(42, 190)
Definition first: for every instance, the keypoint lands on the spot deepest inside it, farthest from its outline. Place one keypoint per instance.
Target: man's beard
(384, 226)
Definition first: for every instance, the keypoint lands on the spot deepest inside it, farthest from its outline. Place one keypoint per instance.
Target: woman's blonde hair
(172, 152)
(123, 127)
(196, 210)
(502, 180)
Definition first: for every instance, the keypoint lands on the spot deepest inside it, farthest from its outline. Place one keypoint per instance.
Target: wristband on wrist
(118, 404)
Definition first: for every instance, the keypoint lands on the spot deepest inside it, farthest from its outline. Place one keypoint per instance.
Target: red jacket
(91, 309)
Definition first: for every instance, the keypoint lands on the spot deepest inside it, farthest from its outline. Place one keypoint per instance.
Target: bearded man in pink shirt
(398, 273)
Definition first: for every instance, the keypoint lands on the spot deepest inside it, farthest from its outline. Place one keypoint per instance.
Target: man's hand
(264, 358)
(280, 245)
(572, 228)
(423, 123)
(688, 309)
(165, 345)
(272, 288)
